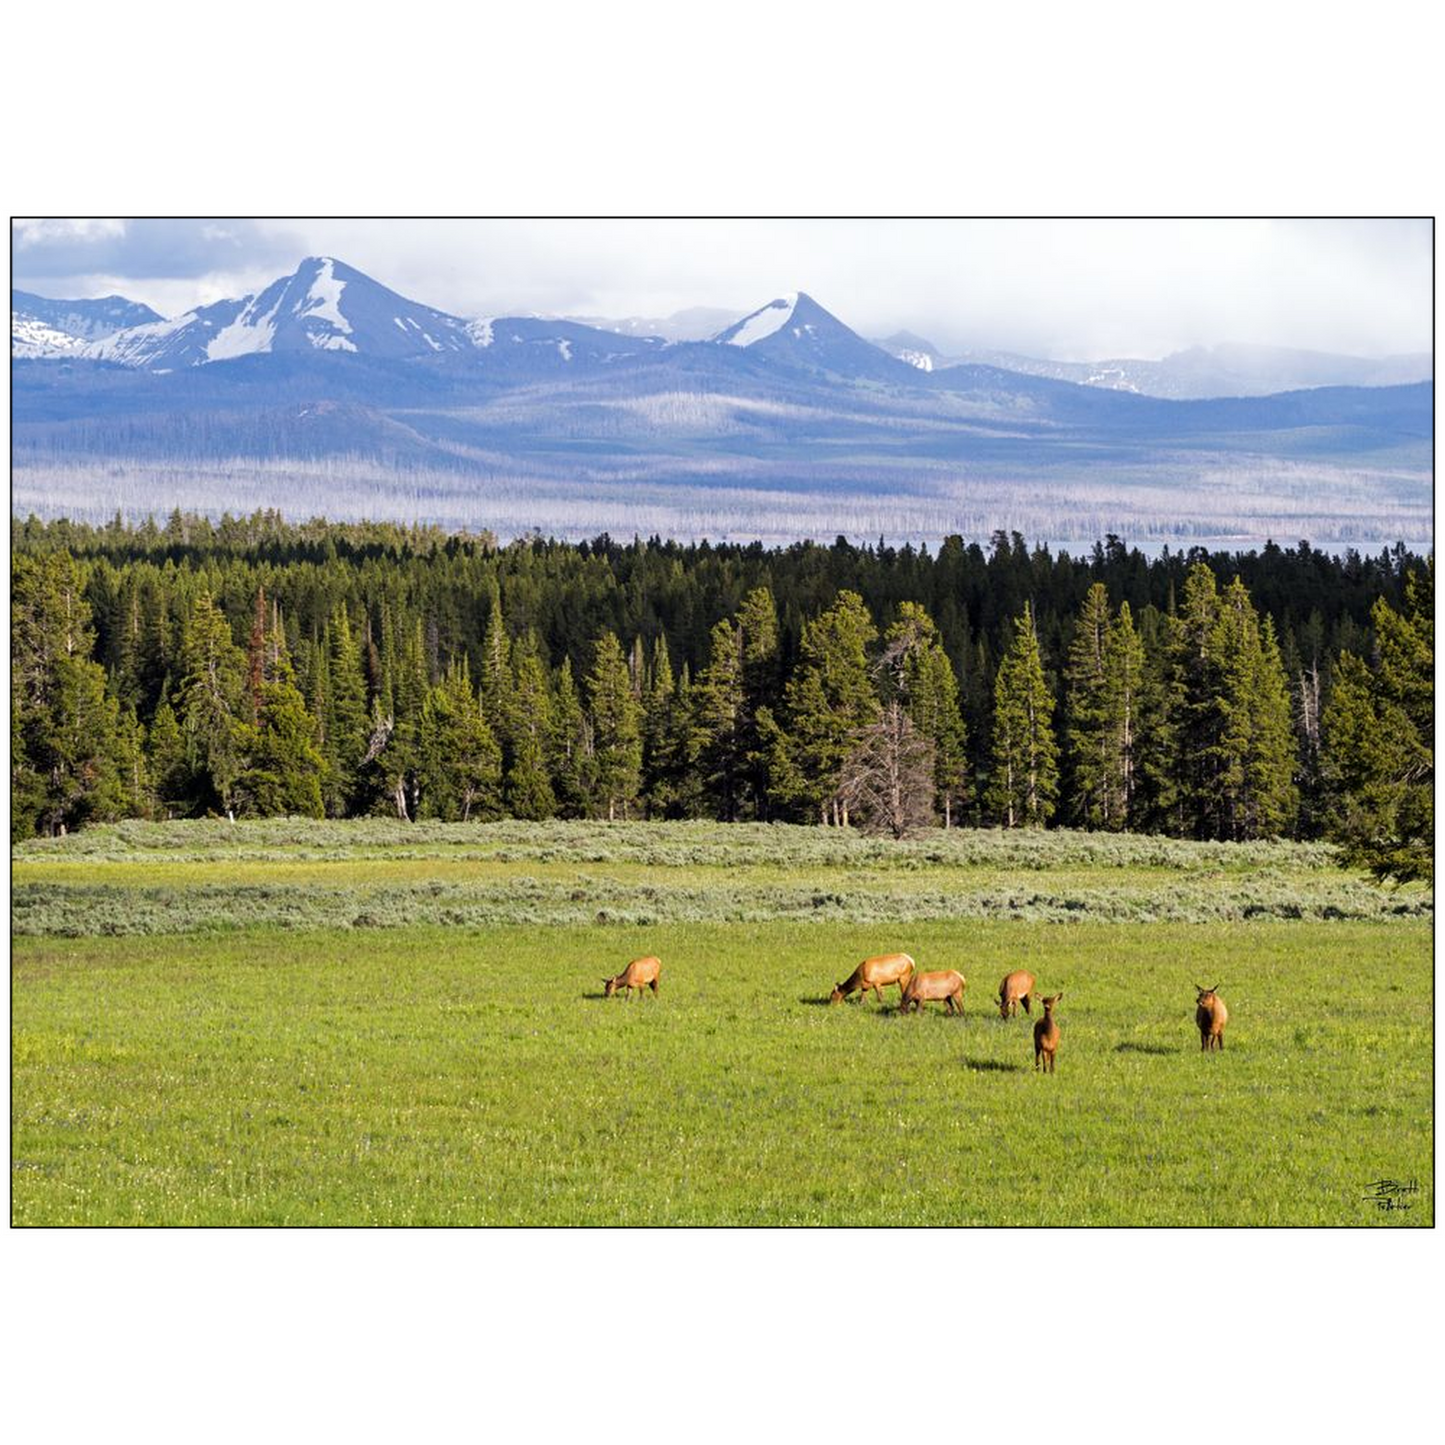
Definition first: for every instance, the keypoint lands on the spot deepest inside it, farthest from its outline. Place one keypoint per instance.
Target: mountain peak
(762, 323)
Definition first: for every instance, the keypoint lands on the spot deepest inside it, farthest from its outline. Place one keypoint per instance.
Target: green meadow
(365, 1023)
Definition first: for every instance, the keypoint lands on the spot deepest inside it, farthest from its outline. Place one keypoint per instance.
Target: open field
(257, 1059)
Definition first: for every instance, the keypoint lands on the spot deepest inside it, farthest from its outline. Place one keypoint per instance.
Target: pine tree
(1124, 665)
(571, 753)
(166, 763)
(212, 700)
(716, 744)
(1105, 682)
(665, 729)
(828, 699)
(1023, 785)
(616, 718)
(757, 621)
(917, 670)
(528, 790)
(64, 725)
(347, 730)
(460, 761)
(1158, 804)
(497, 672)
(1096, 784)
(1378, 733)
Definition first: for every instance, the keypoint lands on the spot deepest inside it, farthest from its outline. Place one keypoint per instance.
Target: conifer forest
(251, 668)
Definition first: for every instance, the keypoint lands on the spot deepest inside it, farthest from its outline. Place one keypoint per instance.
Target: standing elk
(1017, 988)
(1046, 1035)
(641, 973)
(876, 973)
(946, 985)
(1211, 1016)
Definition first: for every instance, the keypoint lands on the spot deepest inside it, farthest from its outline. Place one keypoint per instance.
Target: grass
(234, 1070)
(143, 878)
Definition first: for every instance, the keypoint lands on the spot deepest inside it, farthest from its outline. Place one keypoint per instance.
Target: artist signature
(1391, 1193)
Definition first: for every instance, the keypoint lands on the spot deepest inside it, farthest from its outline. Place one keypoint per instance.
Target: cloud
(1072, 290)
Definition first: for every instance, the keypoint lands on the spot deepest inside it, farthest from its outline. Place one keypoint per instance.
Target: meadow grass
(145, 878)
(453, 1075)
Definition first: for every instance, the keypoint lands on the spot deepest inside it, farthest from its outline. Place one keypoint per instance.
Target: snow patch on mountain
(30, 337)
(762, 323)
(323, 299)
(480, 330)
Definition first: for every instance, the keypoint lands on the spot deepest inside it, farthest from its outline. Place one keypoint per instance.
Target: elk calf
(1046, 1035)
(1017, 988)
(946, 985)
(875, 973)
(641, 973)
(1211, 1016)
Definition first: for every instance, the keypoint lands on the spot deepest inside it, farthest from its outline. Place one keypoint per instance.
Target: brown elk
(641, 973)
(1046, 1035)
(1211, 1016)
(1017, 988)
(875, 973)
(947, 986)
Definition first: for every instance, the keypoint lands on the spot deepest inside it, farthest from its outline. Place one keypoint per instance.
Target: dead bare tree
(887, 779)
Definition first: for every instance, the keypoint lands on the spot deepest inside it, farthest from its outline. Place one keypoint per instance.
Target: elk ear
(1214, 988)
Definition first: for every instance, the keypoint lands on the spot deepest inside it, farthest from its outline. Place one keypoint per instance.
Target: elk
(1211, 1016)
(946, 985)
(1017, 988)
(641, 973)
(1046, 1035)
(875, 973)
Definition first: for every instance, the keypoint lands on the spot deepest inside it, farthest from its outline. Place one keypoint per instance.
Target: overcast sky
(1069, 290)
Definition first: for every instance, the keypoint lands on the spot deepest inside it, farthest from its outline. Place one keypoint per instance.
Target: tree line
(250, 667)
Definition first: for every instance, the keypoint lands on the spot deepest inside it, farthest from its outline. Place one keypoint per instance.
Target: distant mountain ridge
(1198, 373)
(328, 392)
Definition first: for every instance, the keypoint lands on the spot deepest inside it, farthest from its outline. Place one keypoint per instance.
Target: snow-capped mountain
(40, 326)
(796, 331)
(325, 305)
(31, 337)
(328, 306)
(83, 320)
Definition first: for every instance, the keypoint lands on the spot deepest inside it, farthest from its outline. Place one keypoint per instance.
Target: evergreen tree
(666, 726)
(347, 731)
(1105, 680)
(1096, 800)
(616, 718)
(571, 753)
(916, 669)
(528, 790)
(166, 763)
(64, 726)
(1379, 757)
(1125, 666)
(460, 761)
(283, 766)
(212, 699)
(1023, 785)
(1159, 797)
(716, 745)
(828, 699)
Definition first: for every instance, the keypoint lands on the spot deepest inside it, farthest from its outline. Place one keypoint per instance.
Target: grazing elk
(876, 973)
(1211, 1016)
(1017, 988)
(641, 973)
(946, 985)
(1046, 1035)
